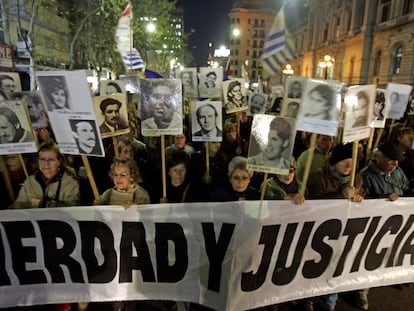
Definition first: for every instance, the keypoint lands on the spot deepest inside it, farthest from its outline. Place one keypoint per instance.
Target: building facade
(250, 22)
(367, 41)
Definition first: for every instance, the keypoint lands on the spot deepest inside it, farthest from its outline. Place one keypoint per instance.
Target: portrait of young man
(188, 77)
(11, 128)
(211, 82)
(9, 84)
(270, 148)
(208, 121)
(86, 137)
(161, 107)
(111, 114)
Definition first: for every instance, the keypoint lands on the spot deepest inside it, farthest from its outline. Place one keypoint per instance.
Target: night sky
(210, 22)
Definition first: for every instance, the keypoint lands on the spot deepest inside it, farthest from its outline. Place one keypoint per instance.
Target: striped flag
(132, 59)
(278, 48)
(124, 43)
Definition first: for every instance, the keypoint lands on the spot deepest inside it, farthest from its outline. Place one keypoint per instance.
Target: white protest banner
(229, 256)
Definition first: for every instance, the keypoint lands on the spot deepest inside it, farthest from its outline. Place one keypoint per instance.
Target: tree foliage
(93, 24)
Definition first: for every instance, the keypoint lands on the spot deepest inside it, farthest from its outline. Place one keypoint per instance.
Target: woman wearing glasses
(126, 191)
(53, 185)
(239, 183)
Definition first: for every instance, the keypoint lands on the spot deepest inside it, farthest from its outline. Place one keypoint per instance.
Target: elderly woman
(238, 188)
(126, 191)
(54, 185)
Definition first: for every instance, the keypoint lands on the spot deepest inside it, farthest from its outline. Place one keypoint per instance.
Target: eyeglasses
(121, 175)
(240, 178)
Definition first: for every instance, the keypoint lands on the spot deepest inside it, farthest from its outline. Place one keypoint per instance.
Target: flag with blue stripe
(278, 48)
(132, 59)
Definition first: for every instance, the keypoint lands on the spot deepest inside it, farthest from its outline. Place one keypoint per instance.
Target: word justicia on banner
(257, 253)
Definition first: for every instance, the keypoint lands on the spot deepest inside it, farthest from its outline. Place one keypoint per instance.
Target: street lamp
(327, 62)
(288, 70)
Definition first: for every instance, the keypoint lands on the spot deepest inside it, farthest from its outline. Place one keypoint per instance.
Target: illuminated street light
(327, 62)
(236, 32)
(150, 27)
(288, 70)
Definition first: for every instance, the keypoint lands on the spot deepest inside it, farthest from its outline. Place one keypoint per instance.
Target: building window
(397, 60)
(262, 23)
(377, 64)
(249, 21)
(254, 54)
(247, 52)
(254, 43)
(385, 8)
(407, 6)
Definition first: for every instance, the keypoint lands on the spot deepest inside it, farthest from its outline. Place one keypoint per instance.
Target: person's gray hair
(240, 163)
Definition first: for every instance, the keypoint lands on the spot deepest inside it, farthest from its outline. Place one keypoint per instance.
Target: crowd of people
(130, 174)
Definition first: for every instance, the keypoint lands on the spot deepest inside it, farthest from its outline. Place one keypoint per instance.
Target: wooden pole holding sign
(308, 163)
(207, 175)
(95, 191)
(354, 161)
(263, 192)
(164, 171)
(27, 176)
(6, 178)
(369, 145)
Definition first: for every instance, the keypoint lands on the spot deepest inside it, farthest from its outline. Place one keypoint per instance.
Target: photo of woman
(55, 93)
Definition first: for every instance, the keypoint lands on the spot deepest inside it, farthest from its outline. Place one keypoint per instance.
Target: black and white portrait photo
(271, 144)
(188, 77)
(110, 87)
(398, 95)
(86, 136)
(15, 130)
(206, 121)
(257, 103)
(211, 82)
(235, 95)
(295, 87)
(112, 114)
(55, 93)
(161, 107)
(131, 82)
(9, 84)
(359, 102)
(320, 106)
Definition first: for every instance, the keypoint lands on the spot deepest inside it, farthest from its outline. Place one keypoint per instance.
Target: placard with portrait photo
(235, 96)
(257, 103)
(398, 95)
(16, 133)
(271, 144)
(211, 82)
(161, 107)
(206, 121)
(9, 84)
(131, 83)
(188, 77)
(66, 95)
(359, 102)
(291, 107)
(294, 87)
(112, 87)
(380, 110)
(321, 104)
(86, 135)
(112, 114)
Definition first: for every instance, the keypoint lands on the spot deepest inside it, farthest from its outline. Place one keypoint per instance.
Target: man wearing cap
(382, 176)
(333, 182)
